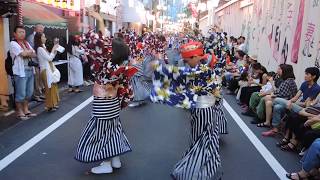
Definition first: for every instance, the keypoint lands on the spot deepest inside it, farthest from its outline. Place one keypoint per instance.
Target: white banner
(278, 31)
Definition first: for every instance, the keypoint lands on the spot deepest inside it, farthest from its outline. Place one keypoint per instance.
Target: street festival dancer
(140, 82)
(194, 88)
(142, 53)
(103, 139)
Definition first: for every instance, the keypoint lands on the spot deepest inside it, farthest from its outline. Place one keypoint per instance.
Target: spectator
(253, 59)
(47, 69)
(296, 129)
(38, 85)
(22, 52)
(75, 77)
(260, 108)
(257, 96)
(310, 162)
(243, 82)
(287, 90)
(242, 44)
(234, 71)
(256, 81)
(302, 130)
(308, 90)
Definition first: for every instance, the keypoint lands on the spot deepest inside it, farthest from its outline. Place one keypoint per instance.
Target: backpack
(9, 64)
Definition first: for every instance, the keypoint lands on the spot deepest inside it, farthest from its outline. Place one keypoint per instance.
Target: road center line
(33, 141)
(265, 153)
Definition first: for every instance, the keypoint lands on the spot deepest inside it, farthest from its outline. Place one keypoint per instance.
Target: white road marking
(265, 153)
(33, 141)
(270, 159)
(9, 113)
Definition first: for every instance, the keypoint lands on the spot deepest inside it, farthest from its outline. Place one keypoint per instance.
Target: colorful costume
(103, 136)
(141, 55)
(194, 89)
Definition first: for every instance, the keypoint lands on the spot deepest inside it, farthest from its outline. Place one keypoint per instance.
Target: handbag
(56, 75)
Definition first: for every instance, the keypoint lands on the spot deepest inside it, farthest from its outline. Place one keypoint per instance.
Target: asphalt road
(158, 134)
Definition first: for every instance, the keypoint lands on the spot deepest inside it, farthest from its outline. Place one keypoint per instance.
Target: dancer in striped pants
(202, 160)
(103, 139)
(141, 82)
(195, 89)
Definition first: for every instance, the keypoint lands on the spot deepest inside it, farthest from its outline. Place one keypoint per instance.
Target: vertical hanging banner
(297, 34)
(310, 37)
(291, 8)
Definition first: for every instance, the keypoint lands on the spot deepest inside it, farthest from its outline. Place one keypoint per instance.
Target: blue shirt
(311, 92)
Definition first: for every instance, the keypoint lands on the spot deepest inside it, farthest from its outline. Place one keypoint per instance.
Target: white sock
(115, 162)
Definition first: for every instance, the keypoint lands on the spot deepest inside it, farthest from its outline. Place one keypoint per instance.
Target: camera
(32, 64)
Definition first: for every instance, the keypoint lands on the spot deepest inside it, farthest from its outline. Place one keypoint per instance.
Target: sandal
(38, 99)
(78, 91)
(263, 125)
(290, 176)
(51, 109)
(269, 133)
(23, 117)
(4, 108)
(287, 147)
(30, 114)
(284, 141)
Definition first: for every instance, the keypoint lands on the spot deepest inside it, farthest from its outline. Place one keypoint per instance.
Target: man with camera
(38, 85)
(23, 70)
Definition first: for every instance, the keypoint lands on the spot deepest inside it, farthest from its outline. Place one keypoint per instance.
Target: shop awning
(34, 13)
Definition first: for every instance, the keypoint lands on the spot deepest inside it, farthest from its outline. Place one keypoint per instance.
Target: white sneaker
(134, 104)
(115, 162)
(104, 168)
(85, 83)
(90, 82)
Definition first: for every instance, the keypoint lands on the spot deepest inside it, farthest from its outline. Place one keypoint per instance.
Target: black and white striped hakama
(103, 136)
(140, 84)
(220, 117)
(202, 160)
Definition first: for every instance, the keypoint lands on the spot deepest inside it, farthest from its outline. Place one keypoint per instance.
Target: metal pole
(162, 22)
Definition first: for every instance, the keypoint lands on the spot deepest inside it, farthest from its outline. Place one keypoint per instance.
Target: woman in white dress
(75, 70)
(47, 69)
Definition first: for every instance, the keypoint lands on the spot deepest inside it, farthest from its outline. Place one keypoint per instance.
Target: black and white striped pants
(202, 160)
(220, 117)
(103, 136)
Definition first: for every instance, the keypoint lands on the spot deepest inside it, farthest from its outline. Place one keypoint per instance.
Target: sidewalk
(8, 119)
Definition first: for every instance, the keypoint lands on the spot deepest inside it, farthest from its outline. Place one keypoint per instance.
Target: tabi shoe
(115, 162)
(104, 168)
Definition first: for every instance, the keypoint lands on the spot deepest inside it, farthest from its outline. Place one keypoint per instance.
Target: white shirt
(18, 61)
(266, 87)
(44, 58)
(242, 47)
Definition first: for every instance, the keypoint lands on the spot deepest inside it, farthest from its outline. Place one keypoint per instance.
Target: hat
(191, 49)
(254, 57)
